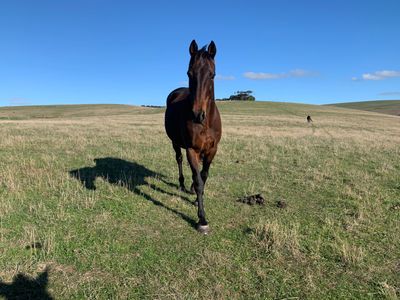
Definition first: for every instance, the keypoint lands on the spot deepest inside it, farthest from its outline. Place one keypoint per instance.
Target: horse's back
(176, 102)
(177, 95)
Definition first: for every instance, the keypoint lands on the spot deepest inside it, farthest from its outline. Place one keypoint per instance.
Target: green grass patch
(89, 205)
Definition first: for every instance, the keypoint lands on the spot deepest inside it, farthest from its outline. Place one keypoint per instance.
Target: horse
(193, 123)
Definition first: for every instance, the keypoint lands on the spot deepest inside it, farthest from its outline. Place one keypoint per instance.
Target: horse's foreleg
(194, 161)
(179, 159)
(208, 158)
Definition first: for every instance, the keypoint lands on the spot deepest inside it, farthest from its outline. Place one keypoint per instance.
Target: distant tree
(240, 96)
(243, 96)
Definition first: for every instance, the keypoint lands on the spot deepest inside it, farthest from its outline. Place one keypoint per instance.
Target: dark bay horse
(192, 122)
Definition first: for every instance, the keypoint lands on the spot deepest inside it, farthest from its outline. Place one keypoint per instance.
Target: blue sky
(136, 52)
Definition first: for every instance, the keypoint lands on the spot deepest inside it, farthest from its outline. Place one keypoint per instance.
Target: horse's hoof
(203, 229)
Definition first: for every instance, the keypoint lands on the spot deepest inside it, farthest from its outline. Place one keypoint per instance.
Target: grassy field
(89, 205)
(391, 107)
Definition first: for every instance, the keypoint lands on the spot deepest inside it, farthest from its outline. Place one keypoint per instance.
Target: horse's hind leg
(179, 159)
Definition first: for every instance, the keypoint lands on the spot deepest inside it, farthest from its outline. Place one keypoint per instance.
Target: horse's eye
(213, 75)
(190, 73)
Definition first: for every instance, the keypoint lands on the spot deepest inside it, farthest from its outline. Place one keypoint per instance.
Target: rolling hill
(391, 107)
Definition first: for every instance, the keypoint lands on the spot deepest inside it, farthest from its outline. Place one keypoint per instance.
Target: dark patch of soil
(35, 245)
(281, 204)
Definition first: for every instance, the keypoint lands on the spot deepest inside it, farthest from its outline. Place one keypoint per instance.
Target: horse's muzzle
(199, 116)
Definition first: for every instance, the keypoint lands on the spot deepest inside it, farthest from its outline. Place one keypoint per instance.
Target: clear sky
(136, 52)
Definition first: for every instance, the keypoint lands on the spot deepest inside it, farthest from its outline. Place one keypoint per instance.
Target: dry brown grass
(277, 239)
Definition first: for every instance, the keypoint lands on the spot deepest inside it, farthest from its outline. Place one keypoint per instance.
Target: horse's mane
(203, 52)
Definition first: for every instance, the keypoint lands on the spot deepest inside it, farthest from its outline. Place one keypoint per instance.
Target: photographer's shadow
(25, 287)
(130, 175)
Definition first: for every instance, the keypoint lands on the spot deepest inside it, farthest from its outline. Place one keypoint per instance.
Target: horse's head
(201, 74)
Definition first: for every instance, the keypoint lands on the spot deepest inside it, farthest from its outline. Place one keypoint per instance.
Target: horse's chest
(204, 140)
(210, 142)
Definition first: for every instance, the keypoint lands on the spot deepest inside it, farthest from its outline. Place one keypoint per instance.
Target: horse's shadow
(25, 287)
(130, 175)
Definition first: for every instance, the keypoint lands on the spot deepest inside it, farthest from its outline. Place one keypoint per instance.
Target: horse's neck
(211, 101)
(211, 113)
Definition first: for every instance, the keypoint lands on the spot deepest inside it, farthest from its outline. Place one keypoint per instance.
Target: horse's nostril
(199, 117)
(202, 116)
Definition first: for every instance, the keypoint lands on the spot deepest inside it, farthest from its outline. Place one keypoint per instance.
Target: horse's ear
(193, 48)
(212, 49)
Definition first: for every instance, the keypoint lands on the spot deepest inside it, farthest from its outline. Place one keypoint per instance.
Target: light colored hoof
(203, 229)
